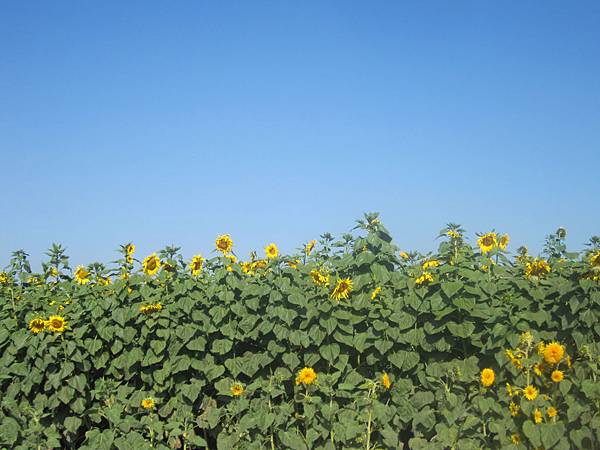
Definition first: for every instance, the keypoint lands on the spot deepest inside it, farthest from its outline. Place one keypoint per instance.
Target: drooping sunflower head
(224, 243)
(151, 264)
(537, 268)
(271, 251)
(306, 376)
(487, 242)
(503, 243)
(487, 377)
(342, 289)
(147, 403)
(130, 249)
(293, 263)
(196, 265)
(385, 381)
(57, 324)
(82, 276)
(557, 376)
(237, 389)
(553, 353)
(37, 325)
(309, 247)
(530, 392)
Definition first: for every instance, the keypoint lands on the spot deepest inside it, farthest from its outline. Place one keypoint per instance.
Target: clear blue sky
(172, 122)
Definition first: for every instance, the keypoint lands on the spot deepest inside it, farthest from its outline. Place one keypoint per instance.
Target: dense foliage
(351, 343)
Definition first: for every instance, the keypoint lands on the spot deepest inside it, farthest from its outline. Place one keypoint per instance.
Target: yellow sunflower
(342, 289)
(553, 353)
(271, 251)
(309, 247)
(430, 263)
(385, 380)
(54, 272)
(425, 277)
(196, 265)
(293, 263)
(375, 293)
(487, 377)
(516, 438)
(404, 255)
(503, 243)
(147, 403)
(514, 409)
(37, 325)
(237, 390)
(551, 411)
(453, 234)
(306, 376)
(537, 268)
(56, 324)
(4, 279)
(130, 249)
(487, 242)
(538, 416)
(319, 278)
(595, 259)
(82, 275)
(224, 243)
(530, 392)
(151, 264)
(557, 376)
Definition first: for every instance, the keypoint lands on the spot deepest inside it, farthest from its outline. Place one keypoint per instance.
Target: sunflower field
(351, 343)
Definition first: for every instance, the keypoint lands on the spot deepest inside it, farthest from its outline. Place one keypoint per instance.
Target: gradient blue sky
(172, 122)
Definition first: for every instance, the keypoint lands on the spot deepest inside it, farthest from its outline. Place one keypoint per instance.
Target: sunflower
(430, 263)
(246, 267)
(271, 251)
(54, 272)
(530, 392)
(103, 281)
(425, 277)
(487, 377)
(37, 325)
(551, 411)
(385, 380)
(537, 368)
(306, 376)
(538, 416)
(557, 376)
(56, 324)
(404, 255)
(514, 409)
(152, 308)
(375, 293)
(319, 278)
(309, 247)
(503, 243)
(453, 234)
(4, 279)
(537, 268)
(293, 263)
(237, 390)
(595, 259)
(224, 243)
(233, 260)
(196, 264)
(151, 264)
(130, 249)
(487, 242)
(553, 353)
(147, 403)
(516, 438)
(342, 289)
(82, 275)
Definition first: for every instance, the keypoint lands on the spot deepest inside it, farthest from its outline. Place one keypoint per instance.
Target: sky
(276, 121)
